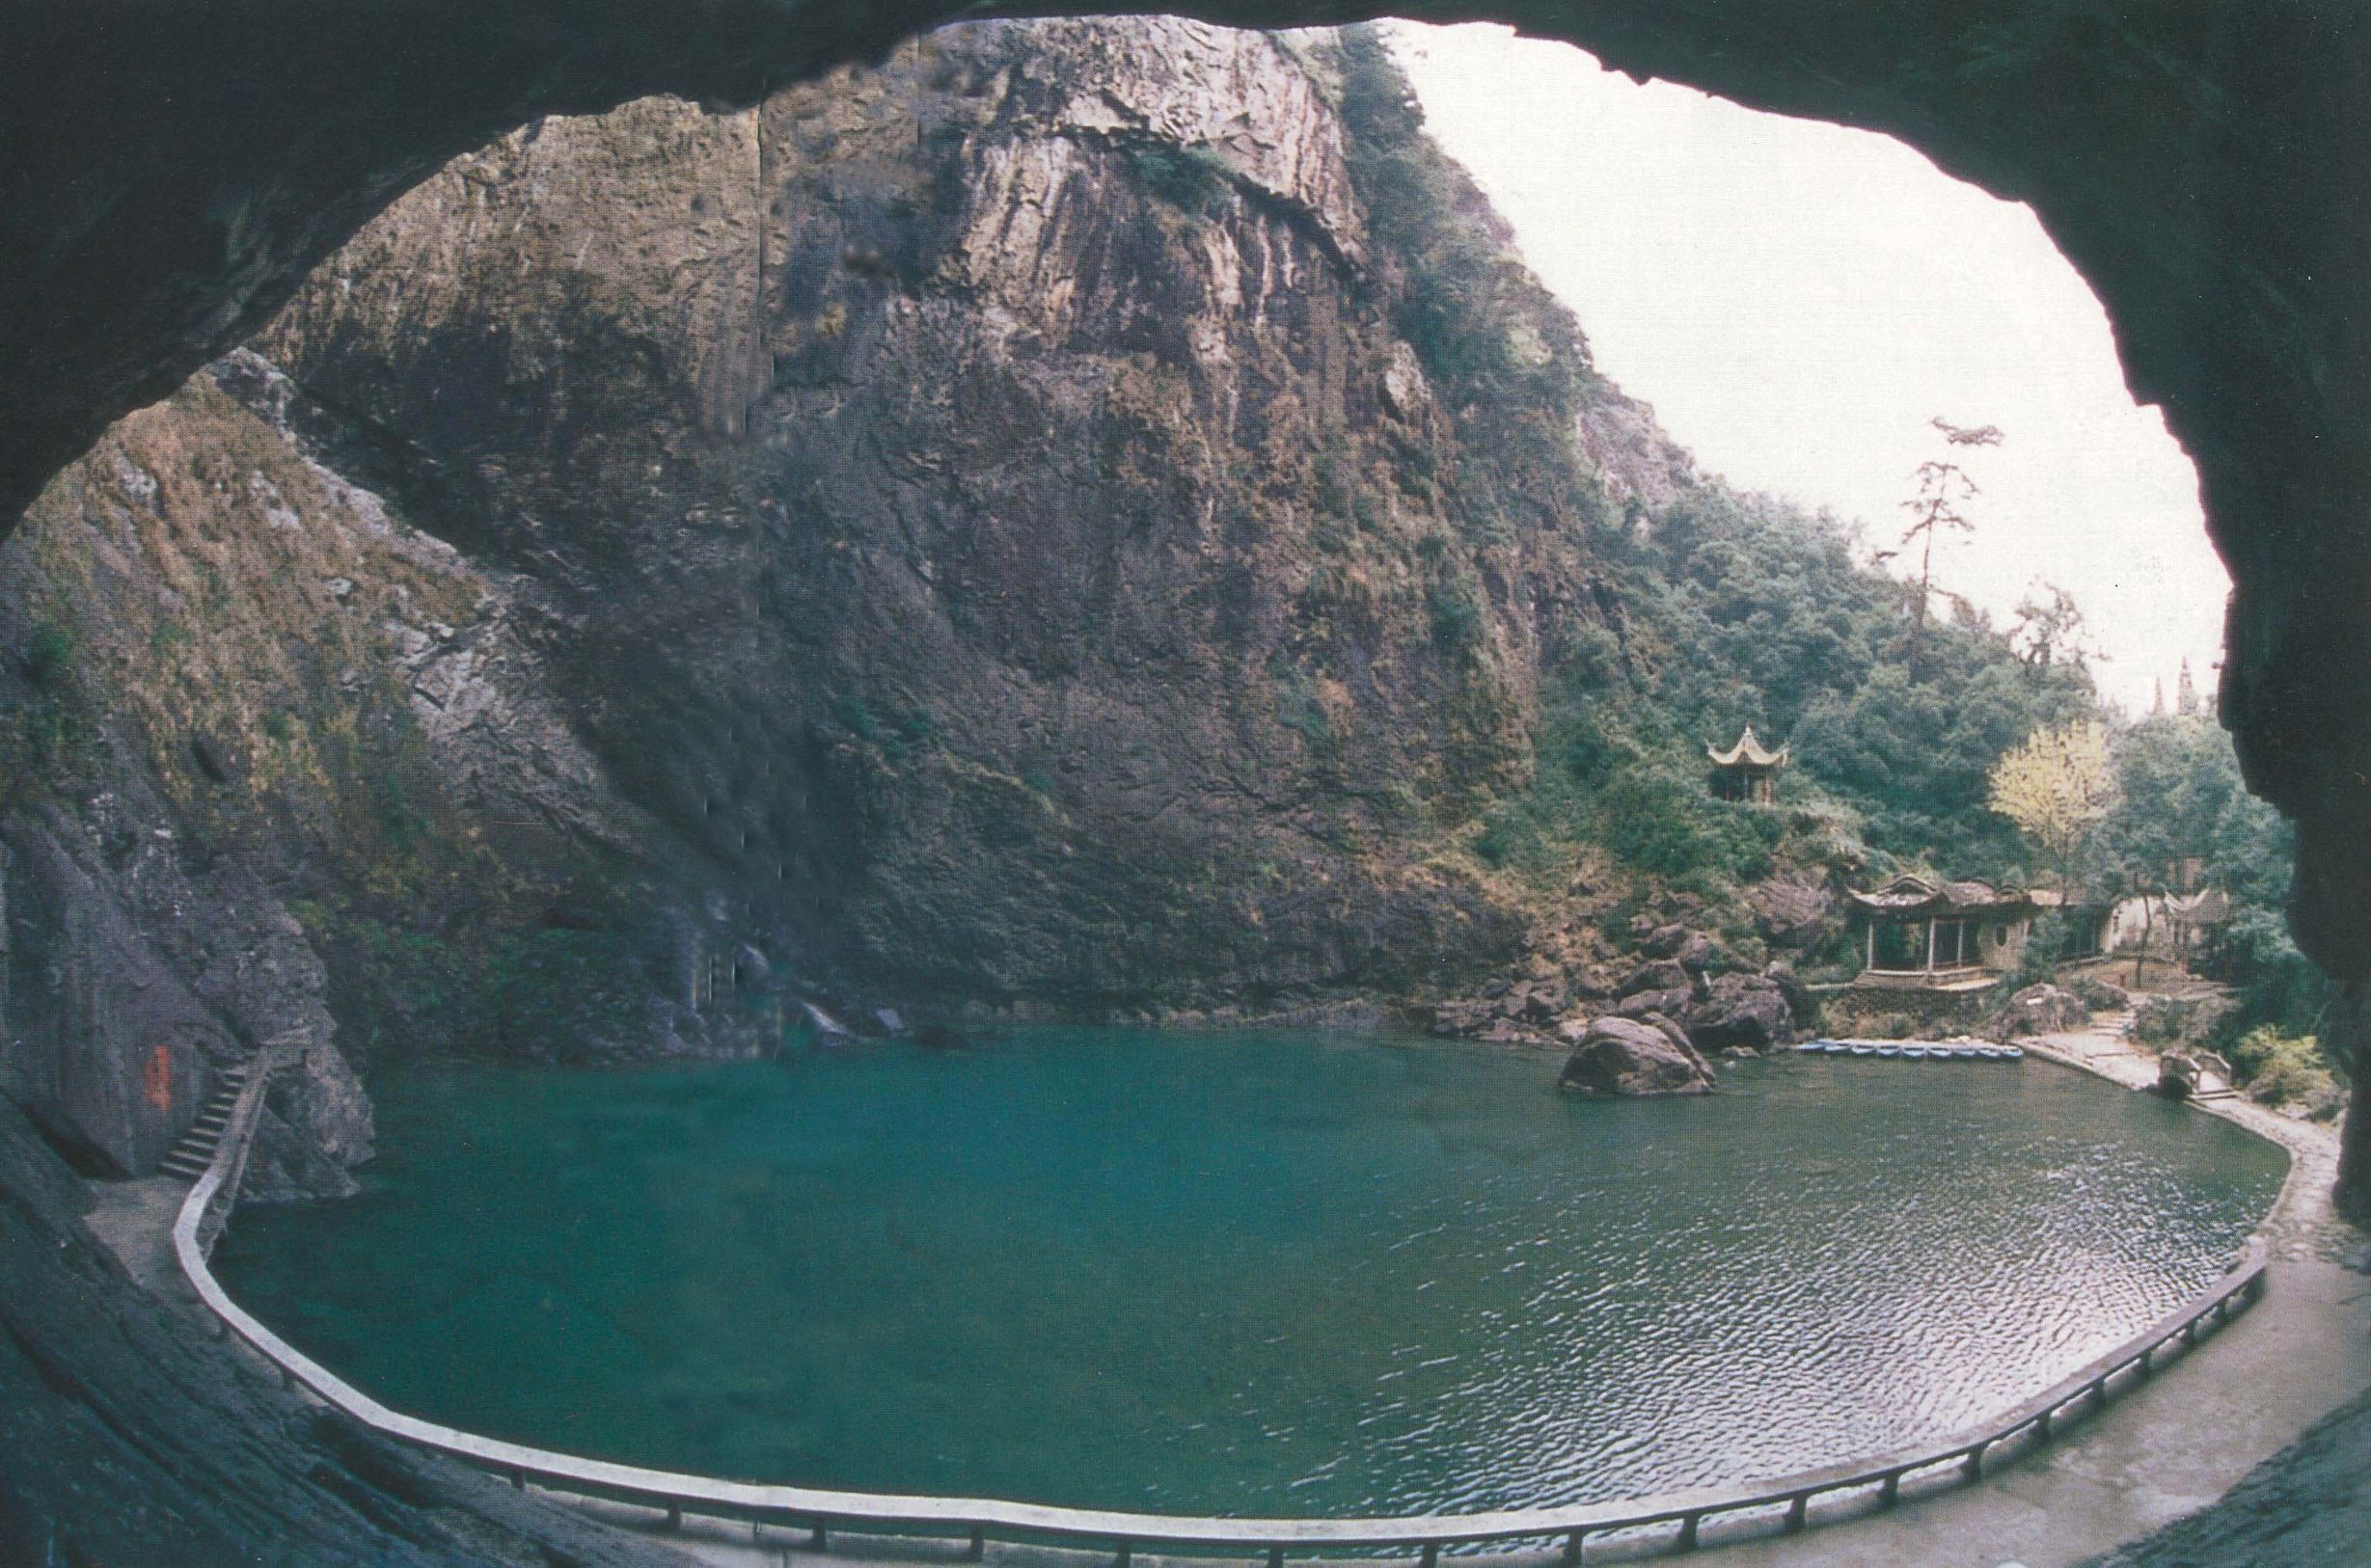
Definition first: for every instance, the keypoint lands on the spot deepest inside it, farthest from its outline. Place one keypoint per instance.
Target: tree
(2049, 633)
(1943, 485)
(2057, 786)
(2182, 796)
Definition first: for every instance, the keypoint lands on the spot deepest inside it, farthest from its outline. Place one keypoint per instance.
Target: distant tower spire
(2186, 695)
(2156, 709)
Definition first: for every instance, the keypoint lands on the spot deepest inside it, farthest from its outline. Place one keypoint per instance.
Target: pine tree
(1943, 485)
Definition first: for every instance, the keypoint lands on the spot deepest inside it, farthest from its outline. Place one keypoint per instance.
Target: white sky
(1797, 299)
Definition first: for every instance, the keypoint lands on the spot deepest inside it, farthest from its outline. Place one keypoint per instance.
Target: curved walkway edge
(2304, 1224)
(1700, 1517)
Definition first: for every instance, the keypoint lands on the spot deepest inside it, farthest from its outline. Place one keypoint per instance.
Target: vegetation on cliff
(1009, 526)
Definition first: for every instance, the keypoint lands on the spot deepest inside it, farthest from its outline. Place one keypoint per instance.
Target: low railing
(1939, 971)
(974, 1520)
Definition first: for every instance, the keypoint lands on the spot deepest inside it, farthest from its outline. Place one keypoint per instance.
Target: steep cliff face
(991, 506)
(252, 721)
(1019, 526)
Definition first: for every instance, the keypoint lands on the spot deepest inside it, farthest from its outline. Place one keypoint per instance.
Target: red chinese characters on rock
(156, 1078)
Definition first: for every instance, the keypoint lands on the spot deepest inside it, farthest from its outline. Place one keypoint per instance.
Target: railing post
(979, 1544)
(817, 1540)
(2041, 1426)
(1798, 1512)
(1433, 1554)
(1889, 1490)
(1574, 1548)
(1127, 1550)
(674, 1516)
(1687, 1531)
(1973, 1464)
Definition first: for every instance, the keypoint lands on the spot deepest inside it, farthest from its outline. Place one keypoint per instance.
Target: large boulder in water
(2043, 1010)
(1748, 1012)
(1629, 1056)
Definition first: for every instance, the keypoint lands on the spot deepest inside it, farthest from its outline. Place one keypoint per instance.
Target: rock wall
(984, 505)
(248, 721)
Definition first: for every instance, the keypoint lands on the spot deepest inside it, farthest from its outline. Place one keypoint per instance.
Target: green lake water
(1252, 1273)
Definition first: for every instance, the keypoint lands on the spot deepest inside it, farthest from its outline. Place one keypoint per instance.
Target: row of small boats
(1958, 1050)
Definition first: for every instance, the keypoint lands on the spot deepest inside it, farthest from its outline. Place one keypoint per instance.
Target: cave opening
(2228, 283)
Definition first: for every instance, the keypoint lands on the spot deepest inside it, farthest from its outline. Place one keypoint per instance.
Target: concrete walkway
(2166, 1447)
(2163, 1450)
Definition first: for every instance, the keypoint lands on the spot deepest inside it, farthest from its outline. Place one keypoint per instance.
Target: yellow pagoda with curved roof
(1748, 771)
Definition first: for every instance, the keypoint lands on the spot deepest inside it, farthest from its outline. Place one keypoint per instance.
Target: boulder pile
(1649, 1031)
(2042, 1010)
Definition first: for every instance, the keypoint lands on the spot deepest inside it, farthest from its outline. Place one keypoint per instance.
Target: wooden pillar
(1873, 941)
(1930, 944)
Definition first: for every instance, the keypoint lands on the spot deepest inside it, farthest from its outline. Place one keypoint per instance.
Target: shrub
(2275, 984)
(1457, 616)
(2045, 946)
(855, 715)
(49, 654)
(1511, 836)
(1586, 748)
(1298, 707)
(1190, 178)
(2280, 1069)
(908, 729)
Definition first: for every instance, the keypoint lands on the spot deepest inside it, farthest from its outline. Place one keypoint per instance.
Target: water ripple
(1246, 1274)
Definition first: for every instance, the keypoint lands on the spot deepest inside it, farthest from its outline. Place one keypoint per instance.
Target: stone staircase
(187, 1160)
